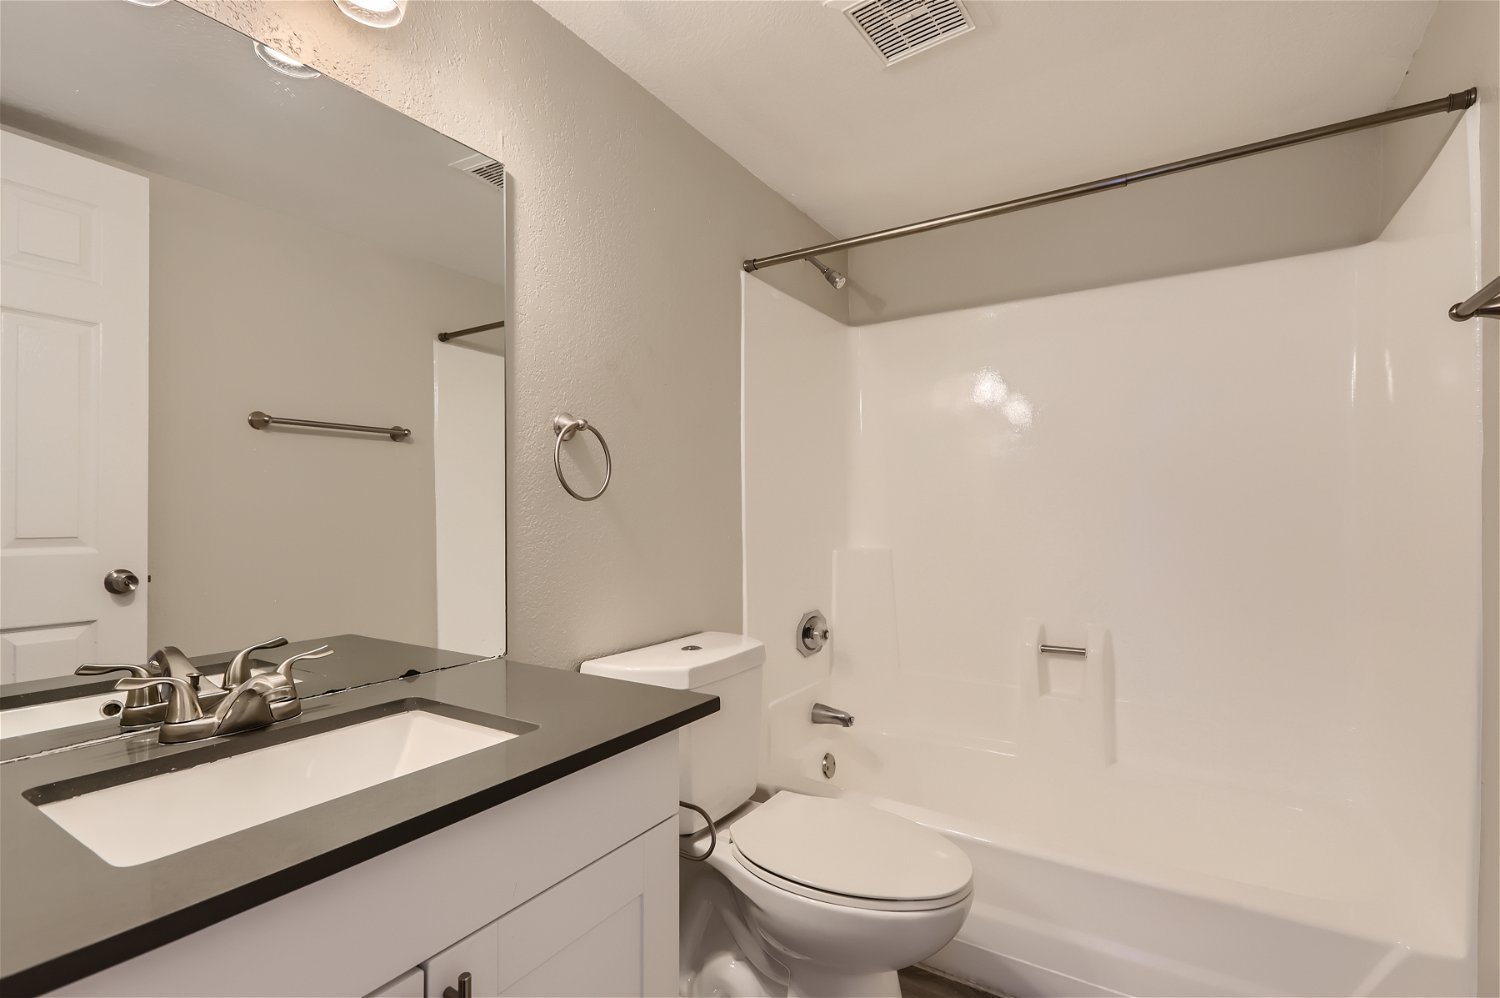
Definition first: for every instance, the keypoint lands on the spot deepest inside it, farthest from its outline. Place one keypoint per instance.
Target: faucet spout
(824, 714)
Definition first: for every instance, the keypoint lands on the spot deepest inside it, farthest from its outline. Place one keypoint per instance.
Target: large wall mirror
(197, 228)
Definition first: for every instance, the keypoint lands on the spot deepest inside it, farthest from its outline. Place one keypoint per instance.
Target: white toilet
(801, 895)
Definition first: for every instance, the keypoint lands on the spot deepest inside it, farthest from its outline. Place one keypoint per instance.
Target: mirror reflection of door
(191, 236)
(74, 281)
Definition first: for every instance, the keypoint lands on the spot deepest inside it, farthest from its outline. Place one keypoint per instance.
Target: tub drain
(830, 765)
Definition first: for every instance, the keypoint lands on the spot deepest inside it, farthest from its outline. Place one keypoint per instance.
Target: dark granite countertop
(67, 913)
(356, 661)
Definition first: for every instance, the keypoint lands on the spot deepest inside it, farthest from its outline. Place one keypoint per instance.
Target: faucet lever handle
(279, 687)
(284, 670)
(101, 668)
(146, 697)
(239, 670)
(182, 703)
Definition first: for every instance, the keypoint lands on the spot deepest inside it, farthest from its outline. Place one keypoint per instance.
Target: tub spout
(824, 714)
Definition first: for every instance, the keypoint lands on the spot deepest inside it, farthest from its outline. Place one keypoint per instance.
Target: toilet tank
(719, 754)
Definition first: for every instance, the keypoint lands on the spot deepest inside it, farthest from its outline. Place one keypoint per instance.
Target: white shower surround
(1254, 494)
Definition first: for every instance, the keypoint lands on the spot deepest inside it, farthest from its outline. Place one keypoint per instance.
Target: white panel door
(74, 289)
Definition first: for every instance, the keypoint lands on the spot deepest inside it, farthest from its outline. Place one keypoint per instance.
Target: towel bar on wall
(261, 421)
(1046, 649)
(445, 337)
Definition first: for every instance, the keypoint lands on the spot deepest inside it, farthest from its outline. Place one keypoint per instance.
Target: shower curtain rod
(1453, 102)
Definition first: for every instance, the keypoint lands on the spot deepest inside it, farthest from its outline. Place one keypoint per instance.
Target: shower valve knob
(812, 633)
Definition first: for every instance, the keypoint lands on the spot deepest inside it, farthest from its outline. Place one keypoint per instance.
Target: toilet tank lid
(683, 664)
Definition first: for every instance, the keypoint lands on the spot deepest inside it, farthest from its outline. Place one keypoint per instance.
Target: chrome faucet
(146, 705)
(255, 703)
(821, 714)
(170, 661)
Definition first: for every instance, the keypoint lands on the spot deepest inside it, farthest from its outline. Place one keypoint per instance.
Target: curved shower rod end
(1463, 99)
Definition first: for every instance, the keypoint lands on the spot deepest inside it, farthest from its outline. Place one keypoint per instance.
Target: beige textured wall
(1462, 49)
(627, 232)
(303, 534)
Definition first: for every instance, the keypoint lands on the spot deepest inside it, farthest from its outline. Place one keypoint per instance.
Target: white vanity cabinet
(477, 955)
(570, 889)
(581, 938)
(412, 984)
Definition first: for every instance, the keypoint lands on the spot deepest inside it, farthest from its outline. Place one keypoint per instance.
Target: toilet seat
(850, 854)
(847, 900)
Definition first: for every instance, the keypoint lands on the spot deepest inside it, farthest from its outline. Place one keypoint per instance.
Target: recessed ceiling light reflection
(285, 64)
(148, 3)
(1019, 410)
(989, 389)
(375, 13)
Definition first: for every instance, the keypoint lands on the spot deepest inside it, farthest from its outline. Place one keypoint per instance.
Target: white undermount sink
(144, 820)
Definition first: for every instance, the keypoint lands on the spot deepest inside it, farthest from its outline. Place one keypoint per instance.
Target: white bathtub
(1121, 881)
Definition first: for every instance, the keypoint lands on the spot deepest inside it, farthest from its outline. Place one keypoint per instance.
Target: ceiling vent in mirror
(481, 167)
(899, 29)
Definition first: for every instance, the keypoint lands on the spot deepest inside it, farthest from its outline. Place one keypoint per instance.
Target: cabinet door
(409, 985)
(476, 955)
(583, 937)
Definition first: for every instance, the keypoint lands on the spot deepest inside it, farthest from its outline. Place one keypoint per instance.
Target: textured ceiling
(1044, 94)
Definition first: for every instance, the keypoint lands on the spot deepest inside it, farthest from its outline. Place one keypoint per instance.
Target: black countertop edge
(65, 970)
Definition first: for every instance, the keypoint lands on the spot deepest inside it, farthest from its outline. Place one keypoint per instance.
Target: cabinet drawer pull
(465, 987)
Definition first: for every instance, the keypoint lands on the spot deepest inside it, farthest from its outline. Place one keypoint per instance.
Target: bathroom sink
(59, 714)
(186, 807)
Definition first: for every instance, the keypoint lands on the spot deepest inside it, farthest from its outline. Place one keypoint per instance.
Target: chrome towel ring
(565, 426)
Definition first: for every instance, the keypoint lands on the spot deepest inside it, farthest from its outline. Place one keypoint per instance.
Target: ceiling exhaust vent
(483, 168)
(899, 29)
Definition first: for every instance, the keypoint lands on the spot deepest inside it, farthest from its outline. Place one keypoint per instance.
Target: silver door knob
(121, 581)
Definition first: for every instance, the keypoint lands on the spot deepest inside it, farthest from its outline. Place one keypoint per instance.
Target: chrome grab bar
(1046, 649)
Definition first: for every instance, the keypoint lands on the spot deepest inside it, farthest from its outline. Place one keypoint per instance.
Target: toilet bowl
(799, 895)
(838, 895)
